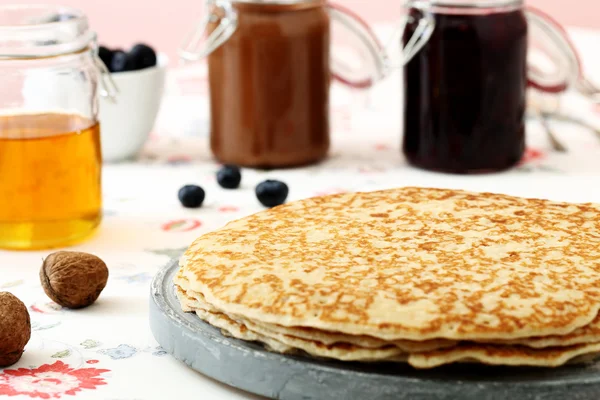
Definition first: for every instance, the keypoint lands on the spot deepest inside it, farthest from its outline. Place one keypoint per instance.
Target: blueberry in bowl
(120, 62)
(106, 55)
(139, 57)
(142, 56)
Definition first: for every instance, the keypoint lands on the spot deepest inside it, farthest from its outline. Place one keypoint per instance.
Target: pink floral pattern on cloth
(532, 156)
(50, 381)
(182, 225)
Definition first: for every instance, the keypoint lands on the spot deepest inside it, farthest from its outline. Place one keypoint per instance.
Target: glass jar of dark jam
(464, 91)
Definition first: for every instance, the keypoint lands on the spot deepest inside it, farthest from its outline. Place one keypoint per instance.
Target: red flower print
(532, 155)
(45, 308)
(35, 308)
(382, 147)
(225, 209)
(182, 225)
(49, 381)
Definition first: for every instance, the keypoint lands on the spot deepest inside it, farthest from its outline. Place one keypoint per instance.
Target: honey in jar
(50, 154)
(50, 188)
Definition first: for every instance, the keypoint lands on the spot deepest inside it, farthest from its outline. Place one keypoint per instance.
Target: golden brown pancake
(412, 266)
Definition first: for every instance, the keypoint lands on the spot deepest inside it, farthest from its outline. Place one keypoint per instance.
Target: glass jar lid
(278, 1)
(361, 63)
(550, 44)
(42, 31)
(470, 3)
(35, 31)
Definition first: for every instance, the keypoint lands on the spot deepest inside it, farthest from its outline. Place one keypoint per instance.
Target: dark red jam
(464, 93)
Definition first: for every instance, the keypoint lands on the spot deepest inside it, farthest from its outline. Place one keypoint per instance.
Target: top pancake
(409, 263)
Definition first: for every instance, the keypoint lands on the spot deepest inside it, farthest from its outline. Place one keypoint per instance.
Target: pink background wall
(164, 23)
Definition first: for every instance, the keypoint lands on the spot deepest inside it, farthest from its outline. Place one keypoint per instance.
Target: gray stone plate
(250, 367)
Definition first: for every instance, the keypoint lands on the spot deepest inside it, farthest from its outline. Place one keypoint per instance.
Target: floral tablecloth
(107, 350)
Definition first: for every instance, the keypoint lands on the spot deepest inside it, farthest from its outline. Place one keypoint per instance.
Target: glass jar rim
(470, 3)
(38, 31)
(278, 2)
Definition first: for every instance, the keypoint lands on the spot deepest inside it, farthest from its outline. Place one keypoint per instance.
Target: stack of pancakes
(424, 276)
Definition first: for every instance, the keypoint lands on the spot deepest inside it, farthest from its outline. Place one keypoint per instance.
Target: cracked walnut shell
(15, 329)
(73, 279)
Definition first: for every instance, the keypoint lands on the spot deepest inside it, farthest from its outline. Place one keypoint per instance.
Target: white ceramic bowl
(126, 124)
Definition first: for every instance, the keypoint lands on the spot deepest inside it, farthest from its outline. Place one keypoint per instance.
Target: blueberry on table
(229, 177)
(142, 56)
(120, 62)
(272, 193)
(191, 196)
(106, 55)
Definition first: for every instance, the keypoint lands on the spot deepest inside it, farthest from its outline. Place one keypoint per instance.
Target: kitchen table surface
(107, 351)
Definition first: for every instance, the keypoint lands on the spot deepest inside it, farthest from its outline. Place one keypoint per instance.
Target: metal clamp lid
(549, 41)
(359, 61)
(30, 32)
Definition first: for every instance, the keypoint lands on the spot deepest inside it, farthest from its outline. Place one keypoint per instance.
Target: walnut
(15, 329)
(73, 279)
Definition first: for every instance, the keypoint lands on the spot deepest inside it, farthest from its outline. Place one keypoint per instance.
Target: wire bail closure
(109, 88)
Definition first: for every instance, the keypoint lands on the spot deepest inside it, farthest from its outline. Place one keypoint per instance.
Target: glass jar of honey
(50, 161)
(270, 64)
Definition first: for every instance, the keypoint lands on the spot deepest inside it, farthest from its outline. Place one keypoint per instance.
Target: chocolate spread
(269, 86)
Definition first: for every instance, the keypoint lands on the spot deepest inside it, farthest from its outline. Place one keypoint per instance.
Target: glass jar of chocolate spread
(464, 91)
(270, 64)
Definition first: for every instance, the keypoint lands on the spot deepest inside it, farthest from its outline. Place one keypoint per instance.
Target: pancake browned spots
(445, 264)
